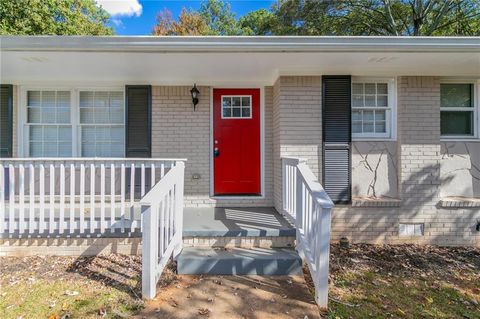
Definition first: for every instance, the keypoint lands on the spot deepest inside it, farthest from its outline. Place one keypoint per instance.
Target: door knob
(216, 152)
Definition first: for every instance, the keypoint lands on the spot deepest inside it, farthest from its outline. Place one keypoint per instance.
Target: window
(372, 108)
(48, 127)
(102, 126)
(457, 109)
(66, 123)
(236, 107)
(411, 229)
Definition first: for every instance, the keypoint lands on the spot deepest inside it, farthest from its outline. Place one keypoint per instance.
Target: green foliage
(304, 17)
(219, 18)
(259, 22)
(53, 17)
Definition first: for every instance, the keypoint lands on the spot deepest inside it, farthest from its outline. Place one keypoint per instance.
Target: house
(228, 141)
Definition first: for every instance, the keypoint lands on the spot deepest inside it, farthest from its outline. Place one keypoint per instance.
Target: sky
(137, 17)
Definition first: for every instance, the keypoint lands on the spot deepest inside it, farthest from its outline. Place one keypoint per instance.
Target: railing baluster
(152, 176)
(162, 228)
(102, 198)
(2, 198)
(122, 196)
(21, 191)
(167, 221)
(51, 216)
(162, 170)
(112, 197)
(142, 180)
(92, 198)
(11, 191)
(72, 199)
(41, 220)
(31, 199)
(61, 220)
(82, 198)
(132, 197)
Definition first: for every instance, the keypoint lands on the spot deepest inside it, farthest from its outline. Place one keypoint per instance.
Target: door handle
(216, 152)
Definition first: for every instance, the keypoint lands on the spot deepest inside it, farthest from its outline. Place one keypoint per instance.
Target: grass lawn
(69, 287)
(365, 282)
(404, 282)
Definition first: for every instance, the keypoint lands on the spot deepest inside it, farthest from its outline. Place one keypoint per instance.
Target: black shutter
(6, 120)
(138, 108)
(337, 137)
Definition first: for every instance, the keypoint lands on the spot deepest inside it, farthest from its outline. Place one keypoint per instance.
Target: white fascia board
(239, 44)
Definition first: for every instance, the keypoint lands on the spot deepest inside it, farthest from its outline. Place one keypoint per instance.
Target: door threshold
(250, 196)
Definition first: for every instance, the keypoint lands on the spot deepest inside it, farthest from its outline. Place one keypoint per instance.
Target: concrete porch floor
(235, 221)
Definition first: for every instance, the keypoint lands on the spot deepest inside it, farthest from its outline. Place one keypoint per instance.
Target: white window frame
(236, 117)
(79, 125)
(476, 112)
(23, 148)
(391, 110)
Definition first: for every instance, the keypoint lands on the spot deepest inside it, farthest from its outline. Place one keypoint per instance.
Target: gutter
(166, 44)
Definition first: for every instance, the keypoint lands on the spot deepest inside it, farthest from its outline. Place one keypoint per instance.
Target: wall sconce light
(194, 92)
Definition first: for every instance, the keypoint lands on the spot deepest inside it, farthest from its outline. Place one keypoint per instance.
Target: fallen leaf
(203, 311)
(71, 293)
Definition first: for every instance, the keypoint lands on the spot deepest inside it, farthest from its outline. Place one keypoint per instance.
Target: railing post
(179, 209)
(299, 210)
(149, 250)
(284, 185)
(323, 257)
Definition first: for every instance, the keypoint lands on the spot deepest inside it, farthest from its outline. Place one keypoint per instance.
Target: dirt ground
(233, 297)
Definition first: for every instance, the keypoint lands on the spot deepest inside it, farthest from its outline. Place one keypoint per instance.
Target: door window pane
(236, 107)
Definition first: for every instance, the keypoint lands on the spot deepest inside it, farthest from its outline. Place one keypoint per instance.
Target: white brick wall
(178, 131)
(297, 127)
(420, 181)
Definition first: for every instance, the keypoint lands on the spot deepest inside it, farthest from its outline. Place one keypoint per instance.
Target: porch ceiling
(110, 61)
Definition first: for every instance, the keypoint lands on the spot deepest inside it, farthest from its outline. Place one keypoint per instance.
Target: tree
(53, 17)
(219, 18)
(413, 17)
(259, 22)
(378, 17)
(189, 23)
(305, 17)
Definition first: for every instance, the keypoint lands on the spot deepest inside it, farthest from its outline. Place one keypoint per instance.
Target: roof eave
(239, 44)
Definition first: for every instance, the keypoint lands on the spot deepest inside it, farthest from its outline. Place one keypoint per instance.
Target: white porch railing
(162, 220)
(75, 196)
(307, 203)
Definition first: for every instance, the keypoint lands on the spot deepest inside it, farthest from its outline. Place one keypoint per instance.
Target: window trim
(78, 125)
(237, 117)
(22, 147)
(391, 110)
(475, 109)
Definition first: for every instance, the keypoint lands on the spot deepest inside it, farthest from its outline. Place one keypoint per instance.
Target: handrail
(162, 221)
(306, 202)
(318, 193)
(121, 159)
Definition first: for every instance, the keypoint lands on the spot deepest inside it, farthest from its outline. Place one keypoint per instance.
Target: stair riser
(240, 267)
(240, 242)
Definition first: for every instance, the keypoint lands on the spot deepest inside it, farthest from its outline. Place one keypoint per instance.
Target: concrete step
(239, 261)
(240, 242)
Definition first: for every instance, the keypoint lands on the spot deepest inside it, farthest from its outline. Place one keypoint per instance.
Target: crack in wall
(373, 166)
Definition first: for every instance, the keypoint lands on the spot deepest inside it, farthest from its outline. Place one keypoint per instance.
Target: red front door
(236, 141)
